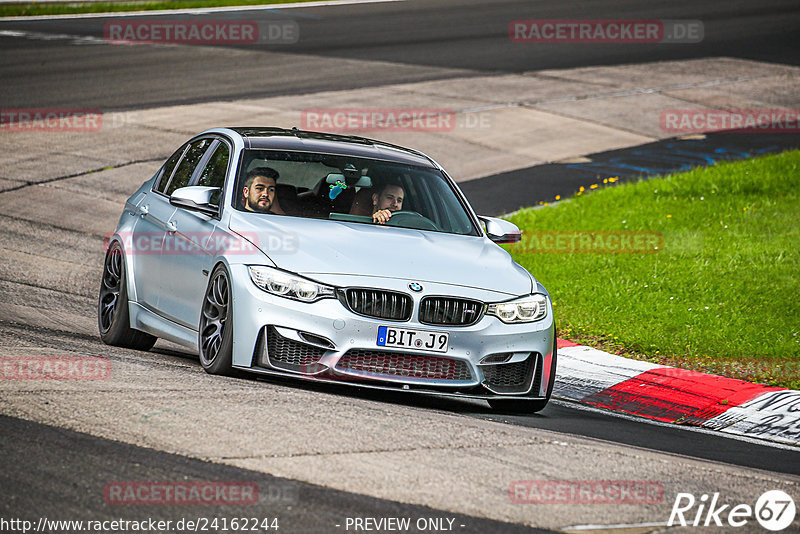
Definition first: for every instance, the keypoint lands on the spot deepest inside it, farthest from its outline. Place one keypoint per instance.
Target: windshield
(347, 188)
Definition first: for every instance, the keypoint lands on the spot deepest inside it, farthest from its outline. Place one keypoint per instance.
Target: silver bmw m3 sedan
(327, 258)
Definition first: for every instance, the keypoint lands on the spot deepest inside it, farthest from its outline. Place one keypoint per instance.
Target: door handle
(144, 209)
(172, 226)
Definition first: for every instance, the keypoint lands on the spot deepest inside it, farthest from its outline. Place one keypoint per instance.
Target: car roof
(328, 143)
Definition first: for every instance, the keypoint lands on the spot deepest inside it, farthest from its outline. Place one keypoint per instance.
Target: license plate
(389, 336)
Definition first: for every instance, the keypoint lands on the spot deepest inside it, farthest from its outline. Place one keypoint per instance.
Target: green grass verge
(32, 8)
(722, 295)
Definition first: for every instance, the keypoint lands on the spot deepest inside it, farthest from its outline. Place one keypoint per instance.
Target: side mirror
(500, 230)
(195, 198)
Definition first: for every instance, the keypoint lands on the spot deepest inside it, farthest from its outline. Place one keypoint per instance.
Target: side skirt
(148, 321)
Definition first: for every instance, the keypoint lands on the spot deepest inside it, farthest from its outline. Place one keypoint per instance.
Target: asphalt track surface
(406, 41)
(74, 487)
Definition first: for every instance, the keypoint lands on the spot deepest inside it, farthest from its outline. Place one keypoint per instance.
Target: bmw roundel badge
(413, 286)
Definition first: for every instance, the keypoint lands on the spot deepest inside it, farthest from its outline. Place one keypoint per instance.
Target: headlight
(288, 285)
(522, 310)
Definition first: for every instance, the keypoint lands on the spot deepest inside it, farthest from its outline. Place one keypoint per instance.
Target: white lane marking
(89, 39)
(41, 36)
(198, 10)
(568, 403)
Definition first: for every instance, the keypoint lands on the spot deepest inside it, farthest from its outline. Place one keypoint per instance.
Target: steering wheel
(412, 219)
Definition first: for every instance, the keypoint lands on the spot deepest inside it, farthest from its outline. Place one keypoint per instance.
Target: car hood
(314, 247)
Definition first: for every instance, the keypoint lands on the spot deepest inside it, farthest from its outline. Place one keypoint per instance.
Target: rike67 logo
(774, 510)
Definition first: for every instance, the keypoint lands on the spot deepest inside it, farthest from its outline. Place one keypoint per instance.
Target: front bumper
(325, 341)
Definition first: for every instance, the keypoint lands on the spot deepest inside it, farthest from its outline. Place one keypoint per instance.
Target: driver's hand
(381, 216)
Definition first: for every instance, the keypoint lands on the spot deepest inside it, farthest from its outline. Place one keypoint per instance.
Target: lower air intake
(404, 365)
(290, 355)
(510, 377)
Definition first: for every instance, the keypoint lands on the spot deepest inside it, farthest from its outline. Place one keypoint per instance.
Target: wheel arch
(130, 275)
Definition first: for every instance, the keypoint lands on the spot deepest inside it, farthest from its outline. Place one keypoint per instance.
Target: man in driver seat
(385, 201)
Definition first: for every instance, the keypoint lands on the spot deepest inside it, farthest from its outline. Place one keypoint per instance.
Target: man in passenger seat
(259, 190)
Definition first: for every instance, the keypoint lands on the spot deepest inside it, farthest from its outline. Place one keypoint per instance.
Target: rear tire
(523, 406)
(216, 325)
(113, 319)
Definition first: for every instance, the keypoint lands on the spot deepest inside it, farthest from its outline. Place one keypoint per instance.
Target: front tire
(216, 325)
(527, 406)
(113, 319)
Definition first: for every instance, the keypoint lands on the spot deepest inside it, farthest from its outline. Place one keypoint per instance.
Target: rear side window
(187, 165)
(166, 170)
(213, 174)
